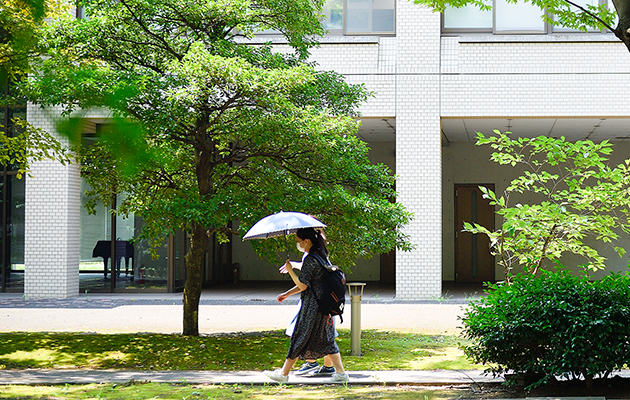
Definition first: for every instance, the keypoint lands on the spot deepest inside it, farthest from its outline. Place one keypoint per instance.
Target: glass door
(12, 198)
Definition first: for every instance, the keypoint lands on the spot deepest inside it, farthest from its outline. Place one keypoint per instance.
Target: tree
(562, 12)
(575, 195)
(213, 130)
(20, 27)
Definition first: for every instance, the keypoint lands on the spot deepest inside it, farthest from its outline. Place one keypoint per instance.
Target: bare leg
(327, 361)
(288, 364)
(336, 360)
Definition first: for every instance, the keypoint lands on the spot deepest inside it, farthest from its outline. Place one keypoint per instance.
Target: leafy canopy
(21, 23)
(573, 196)
(205, 129)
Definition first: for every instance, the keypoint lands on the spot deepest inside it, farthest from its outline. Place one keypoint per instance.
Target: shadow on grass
(229, 352)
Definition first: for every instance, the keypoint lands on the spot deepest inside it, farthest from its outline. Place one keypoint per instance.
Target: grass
(141, 390)
(228, 352)
(231, 352)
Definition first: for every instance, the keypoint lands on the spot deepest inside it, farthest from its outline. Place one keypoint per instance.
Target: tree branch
(592, 15)
(159, 38)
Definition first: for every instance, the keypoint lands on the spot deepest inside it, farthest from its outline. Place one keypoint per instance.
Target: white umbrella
(282, 223)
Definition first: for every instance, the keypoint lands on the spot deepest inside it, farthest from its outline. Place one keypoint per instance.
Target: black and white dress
(314, 333)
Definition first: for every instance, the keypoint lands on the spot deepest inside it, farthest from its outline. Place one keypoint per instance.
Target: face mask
(300, 247)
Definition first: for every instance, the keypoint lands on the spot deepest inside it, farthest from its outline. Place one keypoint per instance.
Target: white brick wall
(52, 225)
(418, 165)
(418, 150)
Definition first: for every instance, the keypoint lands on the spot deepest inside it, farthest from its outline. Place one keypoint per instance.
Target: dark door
(388, 267)
(473, 261)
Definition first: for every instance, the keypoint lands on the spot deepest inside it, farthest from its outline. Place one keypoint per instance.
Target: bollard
(356, 292)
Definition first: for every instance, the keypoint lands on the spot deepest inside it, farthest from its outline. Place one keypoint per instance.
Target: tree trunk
(198, 239)
(192, 288)
(622, 31)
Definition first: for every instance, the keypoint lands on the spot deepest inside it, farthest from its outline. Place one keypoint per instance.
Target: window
(468, 17)
(333, 12)
(505, 17)
(370, 16)
(519, 17)
(360, 17)
(356, 17)
(12, 195)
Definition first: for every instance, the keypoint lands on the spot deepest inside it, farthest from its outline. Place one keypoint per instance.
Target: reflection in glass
(333, 14)
(13, 233)
(133, 268)
(467, 17)
(370, 16)
(12, 200)
(519, 17)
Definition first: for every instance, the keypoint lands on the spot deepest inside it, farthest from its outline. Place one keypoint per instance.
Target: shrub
(556, 325)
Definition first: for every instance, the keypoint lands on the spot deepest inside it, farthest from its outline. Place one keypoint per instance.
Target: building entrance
(12, 202)
(473, 261)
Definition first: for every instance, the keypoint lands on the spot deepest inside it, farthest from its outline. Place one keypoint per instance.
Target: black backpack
(333, 298)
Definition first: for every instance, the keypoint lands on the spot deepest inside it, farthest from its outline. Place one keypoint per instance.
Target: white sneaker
(338, 378)
(277, 376)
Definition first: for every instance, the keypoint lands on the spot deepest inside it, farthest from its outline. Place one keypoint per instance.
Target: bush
(555, 325)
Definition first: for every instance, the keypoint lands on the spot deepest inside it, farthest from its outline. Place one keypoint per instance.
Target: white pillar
(418, 150)
(52, 224)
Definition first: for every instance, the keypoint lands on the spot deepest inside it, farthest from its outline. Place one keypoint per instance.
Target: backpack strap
(321, 260)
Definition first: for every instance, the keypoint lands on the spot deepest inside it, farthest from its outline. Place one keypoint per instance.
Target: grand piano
(124, 249)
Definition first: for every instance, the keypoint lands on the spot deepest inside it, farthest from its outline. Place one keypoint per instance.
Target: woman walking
(314, 334)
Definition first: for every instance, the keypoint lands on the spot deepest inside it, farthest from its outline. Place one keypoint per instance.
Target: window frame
(548, 27)
(365, 33)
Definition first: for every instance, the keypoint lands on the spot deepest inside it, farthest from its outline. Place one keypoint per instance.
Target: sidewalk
(62, 376)
(229, 309)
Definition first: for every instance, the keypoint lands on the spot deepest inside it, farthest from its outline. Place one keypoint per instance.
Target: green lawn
(139, 390)
(234, 352)
(248, 351)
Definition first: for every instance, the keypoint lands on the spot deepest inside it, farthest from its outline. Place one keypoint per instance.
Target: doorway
(473, 261)
(12, 197)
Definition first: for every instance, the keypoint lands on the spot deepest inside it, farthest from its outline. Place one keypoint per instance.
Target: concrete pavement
(234, 308)
(62, 376)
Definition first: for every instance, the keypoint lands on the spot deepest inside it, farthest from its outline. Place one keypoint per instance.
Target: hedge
(555, 325)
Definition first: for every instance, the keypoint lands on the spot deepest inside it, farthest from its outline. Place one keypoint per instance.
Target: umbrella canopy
(282, 223)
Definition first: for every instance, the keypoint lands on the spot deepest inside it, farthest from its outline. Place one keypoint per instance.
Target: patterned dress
(314, 334)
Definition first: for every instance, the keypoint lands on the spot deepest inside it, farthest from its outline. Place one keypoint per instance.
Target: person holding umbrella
(310, 367)
(313, 336)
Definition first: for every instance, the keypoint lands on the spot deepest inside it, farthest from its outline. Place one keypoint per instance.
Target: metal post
(356, 292)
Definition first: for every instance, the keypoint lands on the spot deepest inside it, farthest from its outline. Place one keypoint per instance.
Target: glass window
(12, 195)
(505, 17)
(134, 267)
(468, 17)
(16, 222)
(370, 16)
(519, 17)
(333, 15)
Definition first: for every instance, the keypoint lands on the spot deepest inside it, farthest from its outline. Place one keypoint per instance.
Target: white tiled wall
(52, 224)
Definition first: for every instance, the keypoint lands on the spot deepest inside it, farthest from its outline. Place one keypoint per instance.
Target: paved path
(422, 318)
(230, 309)
(41, 377)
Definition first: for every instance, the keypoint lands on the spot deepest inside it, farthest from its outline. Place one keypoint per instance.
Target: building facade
(437, 80)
